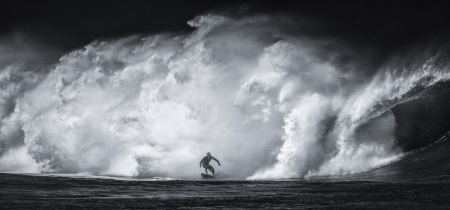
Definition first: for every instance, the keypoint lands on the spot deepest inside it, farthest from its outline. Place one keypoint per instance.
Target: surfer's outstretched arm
(215, 160)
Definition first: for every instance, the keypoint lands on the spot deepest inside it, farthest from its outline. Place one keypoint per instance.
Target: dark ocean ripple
(55, 192)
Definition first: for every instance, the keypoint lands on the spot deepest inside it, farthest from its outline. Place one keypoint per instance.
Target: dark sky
(386, 25)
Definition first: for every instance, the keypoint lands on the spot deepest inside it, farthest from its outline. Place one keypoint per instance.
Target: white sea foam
(266, 103)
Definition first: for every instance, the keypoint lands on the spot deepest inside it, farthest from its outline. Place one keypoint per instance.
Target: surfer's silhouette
(205, 163)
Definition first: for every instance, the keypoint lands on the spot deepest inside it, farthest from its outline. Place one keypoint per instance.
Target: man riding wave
(205, 163)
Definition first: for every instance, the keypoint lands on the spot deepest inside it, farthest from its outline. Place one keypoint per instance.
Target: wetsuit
(205, 163)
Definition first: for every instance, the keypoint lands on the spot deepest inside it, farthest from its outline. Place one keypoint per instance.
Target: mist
(262, 93)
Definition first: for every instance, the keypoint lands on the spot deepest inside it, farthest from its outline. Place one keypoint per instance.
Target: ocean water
(59, 192)
(297, 121)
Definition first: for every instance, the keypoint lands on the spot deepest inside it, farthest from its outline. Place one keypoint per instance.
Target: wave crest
(266, 101)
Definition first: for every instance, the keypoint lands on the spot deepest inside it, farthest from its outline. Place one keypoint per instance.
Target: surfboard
(207, 176)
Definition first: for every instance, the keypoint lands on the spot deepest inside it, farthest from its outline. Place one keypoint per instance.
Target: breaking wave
(263, 96)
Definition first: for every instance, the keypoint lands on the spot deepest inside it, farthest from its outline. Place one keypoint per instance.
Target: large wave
(266, 98)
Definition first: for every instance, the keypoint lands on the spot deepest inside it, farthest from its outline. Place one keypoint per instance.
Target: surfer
(205, 163)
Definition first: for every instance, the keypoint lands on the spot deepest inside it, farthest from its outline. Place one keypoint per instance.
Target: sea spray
(266, 99)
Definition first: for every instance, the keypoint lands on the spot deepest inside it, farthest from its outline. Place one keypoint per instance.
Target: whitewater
(267, 99)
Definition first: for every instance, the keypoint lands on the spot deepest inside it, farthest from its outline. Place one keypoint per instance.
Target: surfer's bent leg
(211, 169)
(206, 166)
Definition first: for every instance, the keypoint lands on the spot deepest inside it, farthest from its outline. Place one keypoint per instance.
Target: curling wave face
(264, 98)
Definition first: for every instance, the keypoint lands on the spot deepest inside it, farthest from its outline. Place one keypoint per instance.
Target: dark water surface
(55, 192)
